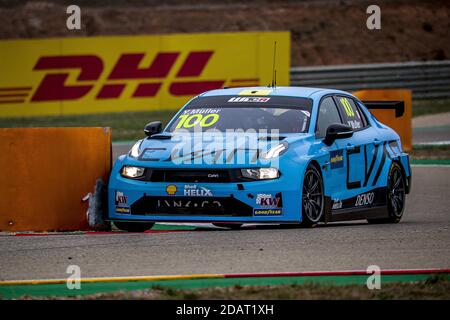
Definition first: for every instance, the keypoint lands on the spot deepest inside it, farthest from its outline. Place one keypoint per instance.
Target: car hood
(237, 148)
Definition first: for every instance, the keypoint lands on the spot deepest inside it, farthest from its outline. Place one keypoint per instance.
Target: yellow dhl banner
(131, 73)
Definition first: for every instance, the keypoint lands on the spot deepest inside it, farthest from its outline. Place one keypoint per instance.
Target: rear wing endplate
(398, 106)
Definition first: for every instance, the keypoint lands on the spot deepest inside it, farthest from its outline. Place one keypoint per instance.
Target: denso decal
(364, 199)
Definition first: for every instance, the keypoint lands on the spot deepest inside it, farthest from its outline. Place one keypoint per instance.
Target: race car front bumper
(276, 200)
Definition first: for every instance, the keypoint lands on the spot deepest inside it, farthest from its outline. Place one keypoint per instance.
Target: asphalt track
(421, 240)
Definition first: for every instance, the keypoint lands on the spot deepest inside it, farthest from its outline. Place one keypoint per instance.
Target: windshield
(221, 113)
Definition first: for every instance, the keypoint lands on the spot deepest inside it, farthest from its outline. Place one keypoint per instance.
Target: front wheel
(134, 226)
(312, 197)
(395, 197)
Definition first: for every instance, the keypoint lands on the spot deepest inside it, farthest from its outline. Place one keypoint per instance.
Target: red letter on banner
(52, 86)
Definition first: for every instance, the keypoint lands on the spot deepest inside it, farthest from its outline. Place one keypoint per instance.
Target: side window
(328, 115)
(351, 114)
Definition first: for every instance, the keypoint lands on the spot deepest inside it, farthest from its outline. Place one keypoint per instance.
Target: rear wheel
(233, 226)
(312, 197)
(396, 196)
(134, 226)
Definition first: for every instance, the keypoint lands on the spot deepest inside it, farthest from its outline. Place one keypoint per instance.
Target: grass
(126, 126)
(425, 107)
(430, 152)
(129, 126)
(434, 287)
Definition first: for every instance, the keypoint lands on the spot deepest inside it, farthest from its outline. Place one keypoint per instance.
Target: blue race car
(263, 155)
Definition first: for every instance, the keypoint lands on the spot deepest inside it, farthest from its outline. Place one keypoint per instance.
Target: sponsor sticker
(268, 200)
(171, 189)
(121, 199)
(337, 159)
(201, 111)
(364, 199)
(267, 212)
(123, 210)
(337, 204)
(121, 202)
(196, 191)
(249, 99)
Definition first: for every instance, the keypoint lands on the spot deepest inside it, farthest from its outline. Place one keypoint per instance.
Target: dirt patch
(323, 32)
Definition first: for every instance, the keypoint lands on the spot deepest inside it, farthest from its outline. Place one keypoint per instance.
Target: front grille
(190, 176)
(204, 206)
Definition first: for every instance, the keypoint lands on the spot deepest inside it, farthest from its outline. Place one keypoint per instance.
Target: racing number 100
(189, 121)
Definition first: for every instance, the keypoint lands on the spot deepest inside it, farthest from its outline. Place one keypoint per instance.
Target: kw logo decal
(92, 68)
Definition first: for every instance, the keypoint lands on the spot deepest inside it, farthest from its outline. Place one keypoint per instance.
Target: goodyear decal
(337, 159)
(267, 212)
(123, 210)
(132, 73)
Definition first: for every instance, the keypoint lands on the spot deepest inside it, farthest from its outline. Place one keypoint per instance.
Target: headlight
(260, 173)
(132, 172)
(275, 151)
(135, 149)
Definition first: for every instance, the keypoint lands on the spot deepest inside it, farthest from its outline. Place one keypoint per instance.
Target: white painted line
(433, 143)
(431, 165)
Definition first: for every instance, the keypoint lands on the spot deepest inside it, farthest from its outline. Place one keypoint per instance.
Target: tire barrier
(46, 174)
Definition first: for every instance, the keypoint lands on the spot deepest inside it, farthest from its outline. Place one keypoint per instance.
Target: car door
(360, 152)
(335, 170)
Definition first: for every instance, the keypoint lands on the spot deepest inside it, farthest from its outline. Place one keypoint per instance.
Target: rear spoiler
(398, 106)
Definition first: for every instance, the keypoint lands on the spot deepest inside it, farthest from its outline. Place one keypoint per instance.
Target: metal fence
(427, 80)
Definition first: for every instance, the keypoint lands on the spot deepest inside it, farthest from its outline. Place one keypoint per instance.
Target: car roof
(303, 92)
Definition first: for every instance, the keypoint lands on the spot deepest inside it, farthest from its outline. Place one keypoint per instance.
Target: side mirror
(152, 128)
(337, 131)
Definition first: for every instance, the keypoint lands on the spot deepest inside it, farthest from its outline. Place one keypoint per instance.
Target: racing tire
(234, 226)
(313, 200)
(395, 195)
(134, 226)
